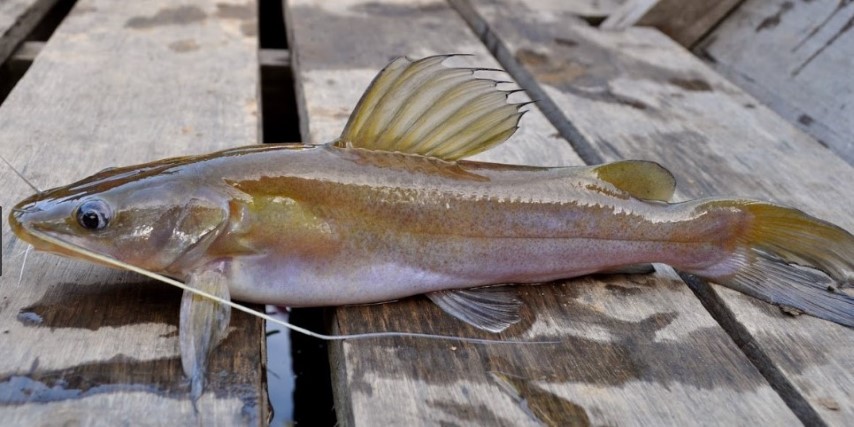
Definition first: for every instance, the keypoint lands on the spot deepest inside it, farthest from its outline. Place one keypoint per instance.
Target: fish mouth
(23, 228)
(31, 232)
(18, 215)
(29, 218)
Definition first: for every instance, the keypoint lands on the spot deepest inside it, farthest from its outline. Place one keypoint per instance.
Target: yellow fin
(788, 258)
(640, 178)
(422, 107)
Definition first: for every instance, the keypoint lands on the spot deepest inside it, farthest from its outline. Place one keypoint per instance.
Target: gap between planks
(526, 81)
(27, 53)
(742, 338)
(15, 29)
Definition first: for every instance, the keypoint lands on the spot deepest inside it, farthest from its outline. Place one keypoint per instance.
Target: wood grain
(121, 83)
(17, 19)
(796, 57)
(685, 21)
(663, 104)
(627, 344)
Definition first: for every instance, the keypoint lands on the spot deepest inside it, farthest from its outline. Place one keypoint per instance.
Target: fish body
(303, 225)
(317, 225)
(366, 226)
(390, 210)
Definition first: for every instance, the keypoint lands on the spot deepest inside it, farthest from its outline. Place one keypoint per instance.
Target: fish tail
(786, 257)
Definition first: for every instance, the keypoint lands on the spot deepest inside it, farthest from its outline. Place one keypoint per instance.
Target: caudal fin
(789, 258)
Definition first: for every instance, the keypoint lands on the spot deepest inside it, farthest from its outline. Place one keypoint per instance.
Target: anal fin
(493, 308)
(203, 324)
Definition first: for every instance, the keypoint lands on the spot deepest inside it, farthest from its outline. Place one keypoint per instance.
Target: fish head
(159, 217)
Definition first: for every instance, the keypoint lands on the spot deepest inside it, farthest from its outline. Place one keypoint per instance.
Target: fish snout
(35, 212)
(23, 214)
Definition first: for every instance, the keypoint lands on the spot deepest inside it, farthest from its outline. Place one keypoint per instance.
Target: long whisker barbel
(20, 175)
(24, 264)
(119, 264)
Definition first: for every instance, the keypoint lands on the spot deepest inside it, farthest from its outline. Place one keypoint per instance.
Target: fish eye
(93, 214)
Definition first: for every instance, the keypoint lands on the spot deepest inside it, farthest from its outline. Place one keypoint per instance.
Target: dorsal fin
(642, 179)
(422, 107)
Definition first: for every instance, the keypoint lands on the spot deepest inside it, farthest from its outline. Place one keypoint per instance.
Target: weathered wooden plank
(595, 10)
(628, 343)
(796, 57)
(17, 19)
(120, 83)
(684, 21)
(663, 104)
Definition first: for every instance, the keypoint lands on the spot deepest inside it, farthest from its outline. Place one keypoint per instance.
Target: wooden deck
(121, 83)
(719, 102)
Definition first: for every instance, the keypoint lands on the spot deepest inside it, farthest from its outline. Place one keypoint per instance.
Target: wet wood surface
(796, 57)
(17, 19)
(120, 83)
(684, 21)
(633, 349)
(663, 104)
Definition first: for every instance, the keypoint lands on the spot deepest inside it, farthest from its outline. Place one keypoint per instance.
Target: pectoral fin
(493, 309)
(203, 325)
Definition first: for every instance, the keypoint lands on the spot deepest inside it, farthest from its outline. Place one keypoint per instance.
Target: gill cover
(189, 229)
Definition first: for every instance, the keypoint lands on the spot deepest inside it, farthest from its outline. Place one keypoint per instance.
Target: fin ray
(373, 94)
(777, 282)
(407, 83)
(203, 324)
(443, 110)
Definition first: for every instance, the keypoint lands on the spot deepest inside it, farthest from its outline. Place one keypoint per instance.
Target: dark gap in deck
(271, 34)
(17, 65)
(51, 21)
(279, 119)
(312, 395)
(588, 153)
(10, 73)
(740, 335)
(313, 405)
